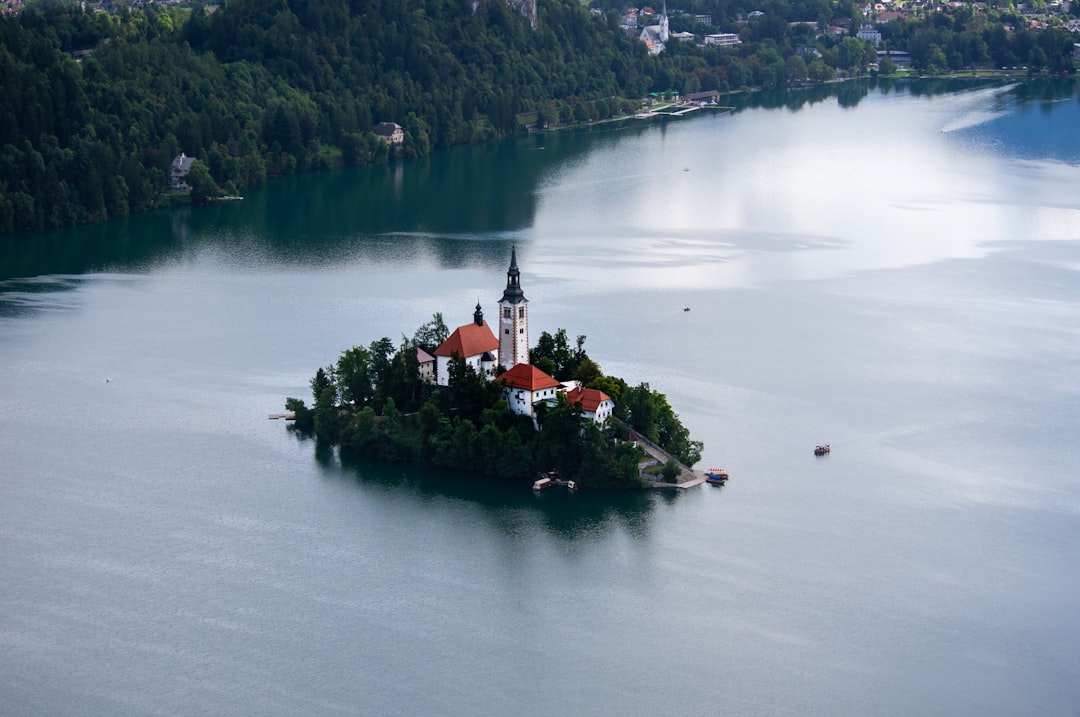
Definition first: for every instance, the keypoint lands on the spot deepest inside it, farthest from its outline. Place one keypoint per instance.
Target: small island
(476, 400)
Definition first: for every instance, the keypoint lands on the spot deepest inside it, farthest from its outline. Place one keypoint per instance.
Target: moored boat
(543, 484)
(716, 476)
(821, 450)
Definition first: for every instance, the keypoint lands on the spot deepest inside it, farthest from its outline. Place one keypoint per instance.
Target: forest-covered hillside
(95, 105)
(265, 86)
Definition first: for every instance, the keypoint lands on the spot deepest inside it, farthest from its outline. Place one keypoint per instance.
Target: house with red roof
(473, 342)
(525, 385)
(595, 404)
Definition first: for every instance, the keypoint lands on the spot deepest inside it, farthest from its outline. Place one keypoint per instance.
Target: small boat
(716, 476)
(543, 484)
(571, 486)
(686, 308)
(821, 450)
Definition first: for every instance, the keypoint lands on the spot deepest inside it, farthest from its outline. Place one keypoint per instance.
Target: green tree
(430, 335)
(354, 376)
(795, 69)
(323, 379)
(328, 421)
(203, 186)
(304, 421)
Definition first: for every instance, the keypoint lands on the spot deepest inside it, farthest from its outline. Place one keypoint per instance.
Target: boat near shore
(716, 476)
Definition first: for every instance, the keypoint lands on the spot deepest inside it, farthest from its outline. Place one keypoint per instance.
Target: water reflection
(506, 506)
(703, 185)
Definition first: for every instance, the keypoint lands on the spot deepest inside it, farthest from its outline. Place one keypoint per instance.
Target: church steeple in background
(513, 318)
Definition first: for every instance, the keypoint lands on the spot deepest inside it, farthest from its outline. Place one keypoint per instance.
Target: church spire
(478, 315)
(513, 319)
(513, 293)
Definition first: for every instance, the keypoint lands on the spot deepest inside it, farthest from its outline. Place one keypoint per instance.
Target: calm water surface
(893, 270)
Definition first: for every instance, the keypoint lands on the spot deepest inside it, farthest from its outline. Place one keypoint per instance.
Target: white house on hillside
(390, 132)
(870, 33)
(178, 171)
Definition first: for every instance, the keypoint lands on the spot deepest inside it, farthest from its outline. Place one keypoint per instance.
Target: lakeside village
(478, 399)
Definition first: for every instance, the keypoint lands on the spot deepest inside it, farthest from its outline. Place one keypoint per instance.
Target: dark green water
(892, 270)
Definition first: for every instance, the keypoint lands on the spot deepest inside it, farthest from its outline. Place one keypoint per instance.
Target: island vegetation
(373, 403)
(98, 98)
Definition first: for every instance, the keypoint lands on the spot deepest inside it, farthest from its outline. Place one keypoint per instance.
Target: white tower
(664, 34)
(513, 319)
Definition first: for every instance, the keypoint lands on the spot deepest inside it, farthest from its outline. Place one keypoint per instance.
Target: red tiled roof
(528, 377)
(590, 398)
(469, 340)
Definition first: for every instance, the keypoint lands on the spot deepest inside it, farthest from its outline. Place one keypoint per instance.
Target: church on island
(524, 385)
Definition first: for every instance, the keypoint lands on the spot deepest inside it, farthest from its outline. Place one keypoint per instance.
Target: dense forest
(95, 105)
(374, 404)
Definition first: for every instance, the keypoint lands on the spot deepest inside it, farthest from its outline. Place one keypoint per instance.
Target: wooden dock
(290, 416)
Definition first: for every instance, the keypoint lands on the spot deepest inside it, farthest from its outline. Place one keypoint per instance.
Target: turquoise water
(892, 271)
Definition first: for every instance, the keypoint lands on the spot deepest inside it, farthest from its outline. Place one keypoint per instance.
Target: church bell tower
(513, 319)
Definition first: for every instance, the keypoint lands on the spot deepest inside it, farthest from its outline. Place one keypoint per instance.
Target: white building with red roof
(473, 342)
(595, 404)
(525, 385)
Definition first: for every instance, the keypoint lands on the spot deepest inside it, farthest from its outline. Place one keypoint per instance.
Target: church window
(506, 312)
(521, 331)
(508, 331)
(521, 312)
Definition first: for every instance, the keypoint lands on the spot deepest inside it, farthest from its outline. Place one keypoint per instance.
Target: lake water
(894, 270)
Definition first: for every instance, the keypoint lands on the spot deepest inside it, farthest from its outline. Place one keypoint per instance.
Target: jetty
(290, 416)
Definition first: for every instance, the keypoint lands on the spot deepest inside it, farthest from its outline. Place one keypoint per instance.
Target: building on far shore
(870, 33)
(654, 36)
(724, 39)
(178, 172)
(390, 132)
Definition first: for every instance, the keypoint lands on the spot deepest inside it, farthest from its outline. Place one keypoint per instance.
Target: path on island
(687, 477)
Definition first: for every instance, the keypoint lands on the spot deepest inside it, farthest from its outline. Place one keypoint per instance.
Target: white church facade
(473, 342)
(655, 36)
